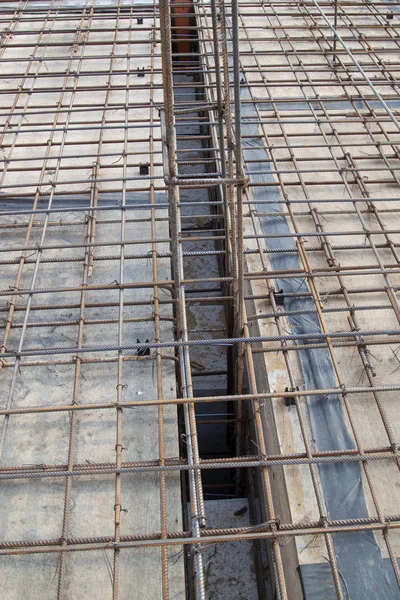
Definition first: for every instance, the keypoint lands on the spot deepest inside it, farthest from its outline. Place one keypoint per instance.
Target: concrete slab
(34, 509)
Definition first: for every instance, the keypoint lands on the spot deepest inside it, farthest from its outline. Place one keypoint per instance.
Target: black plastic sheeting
(82, 200)
(329, 105)
(365, 574)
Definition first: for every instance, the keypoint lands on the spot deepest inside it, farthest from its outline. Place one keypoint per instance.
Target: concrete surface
(229, 568)
(33, 509)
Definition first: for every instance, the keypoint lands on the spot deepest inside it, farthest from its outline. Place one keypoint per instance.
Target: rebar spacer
(291, 400)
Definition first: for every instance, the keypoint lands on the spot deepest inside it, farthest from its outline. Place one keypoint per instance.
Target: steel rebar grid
(363, 355)
(87, 263)
(318, 120)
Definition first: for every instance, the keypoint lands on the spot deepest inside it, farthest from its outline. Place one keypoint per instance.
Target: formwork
(166, 168)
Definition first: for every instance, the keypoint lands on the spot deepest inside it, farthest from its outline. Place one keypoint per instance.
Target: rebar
(297, 177)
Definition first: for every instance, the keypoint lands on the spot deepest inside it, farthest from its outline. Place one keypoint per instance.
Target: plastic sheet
(365, 574)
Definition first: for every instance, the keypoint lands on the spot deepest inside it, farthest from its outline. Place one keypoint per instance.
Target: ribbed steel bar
(203, 399)
(207, 532)
(72, 441)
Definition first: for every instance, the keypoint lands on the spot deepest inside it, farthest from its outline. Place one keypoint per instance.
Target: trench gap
(211, 366)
